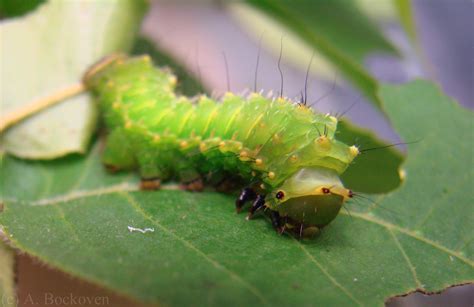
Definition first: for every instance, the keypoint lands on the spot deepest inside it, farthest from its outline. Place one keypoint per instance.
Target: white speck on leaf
(355, 279)
(451, 258)
(145, 230)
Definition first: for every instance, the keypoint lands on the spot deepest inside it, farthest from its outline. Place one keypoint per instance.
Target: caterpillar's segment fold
(284, 145)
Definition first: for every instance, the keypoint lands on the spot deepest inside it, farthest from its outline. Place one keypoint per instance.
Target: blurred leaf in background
(337, 30)
(50, 49)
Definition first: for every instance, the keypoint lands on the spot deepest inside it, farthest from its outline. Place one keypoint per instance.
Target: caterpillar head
(310, 197)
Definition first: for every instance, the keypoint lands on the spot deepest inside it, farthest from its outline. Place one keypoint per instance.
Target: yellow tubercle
(354, 150)
(271, 175)
(228, 95)
(253, 95)
(403, 174)
(323, 141)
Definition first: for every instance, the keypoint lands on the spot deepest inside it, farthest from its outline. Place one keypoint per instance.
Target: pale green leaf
(337, 30)
(49, 50)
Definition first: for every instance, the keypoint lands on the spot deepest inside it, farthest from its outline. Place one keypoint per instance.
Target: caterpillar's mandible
(285, 152)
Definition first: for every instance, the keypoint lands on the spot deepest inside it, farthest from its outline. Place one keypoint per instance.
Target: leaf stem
(40, 104)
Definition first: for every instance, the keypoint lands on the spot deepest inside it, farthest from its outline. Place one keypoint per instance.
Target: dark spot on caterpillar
(326, 191)
(280, 195)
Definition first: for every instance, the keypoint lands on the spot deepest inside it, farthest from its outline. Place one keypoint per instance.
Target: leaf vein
(136, 206)
(407, 259)
(411, 234)
(326, 273)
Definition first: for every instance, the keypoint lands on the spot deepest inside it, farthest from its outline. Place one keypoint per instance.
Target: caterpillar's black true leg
(150, 183)
(276, 221)
(246, 195)
(257, 204)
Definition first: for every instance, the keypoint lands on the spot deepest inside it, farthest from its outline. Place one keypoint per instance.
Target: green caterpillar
(285, 152)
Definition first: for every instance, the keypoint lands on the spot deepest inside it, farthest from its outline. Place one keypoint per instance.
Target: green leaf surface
(49, 50)
(7, 276)
(376, 171)
(74, 216)
(336, 29)
(14, 8)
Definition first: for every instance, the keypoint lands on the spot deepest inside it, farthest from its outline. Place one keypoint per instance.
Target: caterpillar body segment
(285, 149)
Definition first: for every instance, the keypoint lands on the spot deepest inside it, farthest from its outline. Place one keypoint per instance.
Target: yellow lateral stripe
(232, 118)
(254, 125)
(211, 117)
(185, 120)
(163, 114)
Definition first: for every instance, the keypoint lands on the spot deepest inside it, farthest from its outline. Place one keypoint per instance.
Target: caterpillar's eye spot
(350, 194)
(271, 175)
(280, 195)
(326, 190)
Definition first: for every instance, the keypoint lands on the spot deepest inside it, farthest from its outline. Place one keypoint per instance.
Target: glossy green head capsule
(312, 197)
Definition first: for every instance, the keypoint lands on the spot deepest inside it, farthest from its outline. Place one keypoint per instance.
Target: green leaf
(74, 216)
(405, 14)
(336, 29)
(14, 8)
(7, 278)
(49, 50)
(372, 172)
